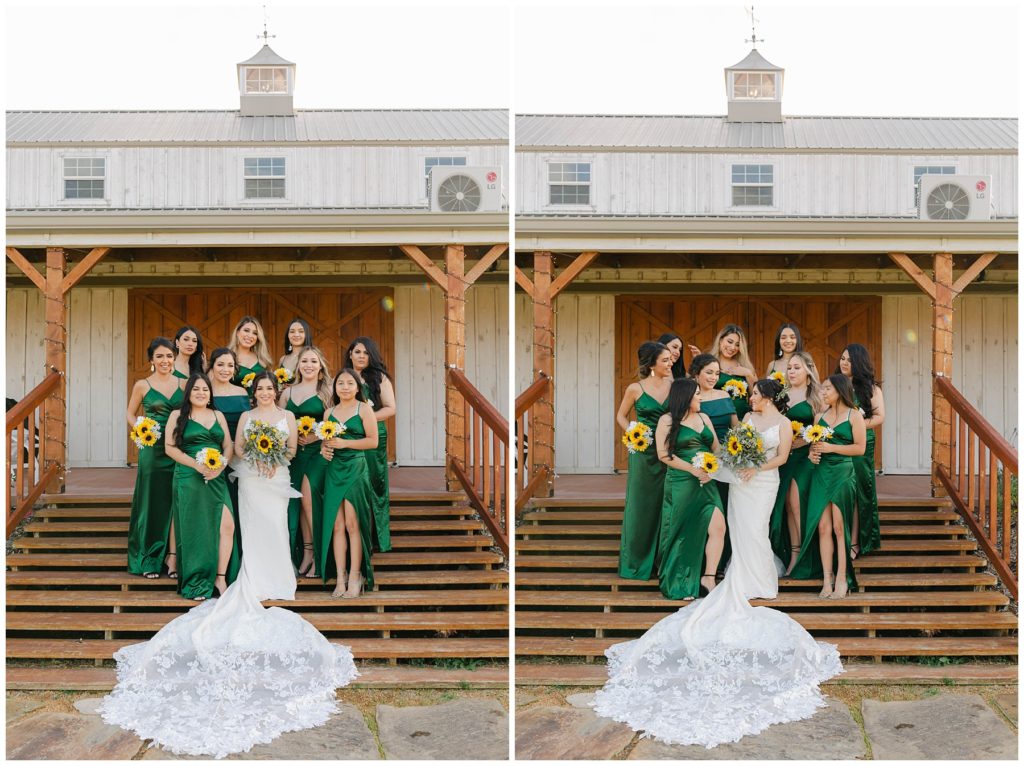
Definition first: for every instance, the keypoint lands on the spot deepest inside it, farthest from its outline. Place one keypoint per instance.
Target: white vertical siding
(25, 331)
(487, 342)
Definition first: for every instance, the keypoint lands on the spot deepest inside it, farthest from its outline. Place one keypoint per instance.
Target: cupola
(266, 84)
(754, 90)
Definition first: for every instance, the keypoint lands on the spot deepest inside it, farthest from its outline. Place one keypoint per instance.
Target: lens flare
(387, 303)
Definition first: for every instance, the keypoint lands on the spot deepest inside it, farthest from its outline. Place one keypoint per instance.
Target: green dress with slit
(307, 464)
(232, 406)
(832, 481)
(720, 412)
(741, 403)
(797, 468)
(150, 521)
(645, 483)
(685, 517)
(870, 533)
(345, 478)
(377, 466)
(198, 505)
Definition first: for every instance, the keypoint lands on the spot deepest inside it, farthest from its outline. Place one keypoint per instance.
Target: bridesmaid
(730, 349)
(674, 343)
(855, 364)
(795, 474)
(249, 345)
(231, 401)
(190, 359)
(204, 524)
(365, 358)
(149, 527)
(833, 495)
(348, 496)
(309, 395)
(296, 337)
(645, 481)
(692, 533)
(787, 343)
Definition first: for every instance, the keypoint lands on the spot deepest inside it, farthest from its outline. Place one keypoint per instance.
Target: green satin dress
(243, 371)
(870, 533)
(377, 466)
(150, 521)
(797, 468)
(307, 464)
(179, 374)
(685, 517)
(198, 506)
(741, 403)
(720, 412)
(232, 407)
(832, 481)
(346, 478)
(645, 484)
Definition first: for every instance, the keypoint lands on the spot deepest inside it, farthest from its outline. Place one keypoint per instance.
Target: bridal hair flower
(283, 375)
(305, 425)
(248, 379)
(705, 461)
(817, 433)
(145, 432)
(637, 437)
(736, 388)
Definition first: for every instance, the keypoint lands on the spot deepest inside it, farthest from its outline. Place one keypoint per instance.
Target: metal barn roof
(953, 134)
(230, 127)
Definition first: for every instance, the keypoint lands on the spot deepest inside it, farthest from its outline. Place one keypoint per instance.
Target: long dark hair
(269, 375)
(159, 342)
(305, 328)
(359, 385)
(375, 371)
(862, 375)
(195, 362)
(796, 331)
(700, 362)
(772, 389)
(647, 355)
(678, 366)
(680, 395)
(216, 354)
(185, 410)
(844, 388)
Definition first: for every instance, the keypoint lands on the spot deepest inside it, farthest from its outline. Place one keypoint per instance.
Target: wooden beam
(455, 426)
(484, 263)
(914, 272)
(82, 267)
(55, 344)
(973, 271)
(942, 366)
(428, 266)
(571, 272)
(26, 268)
(524, 282)
(542, 434)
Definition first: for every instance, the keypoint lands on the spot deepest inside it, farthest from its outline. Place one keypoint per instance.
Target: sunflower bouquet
(817, 433)
(328, 429)
(265, 444)
(306, 425)
(248, 379)
(637, 437)
(146, 432)
(744, 447)
(284, 376)
(798, 429)
(736, 388)
(210, 457)
(779, 378)
(705, 461)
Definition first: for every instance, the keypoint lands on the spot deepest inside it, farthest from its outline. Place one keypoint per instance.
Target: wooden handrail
(484, 475)
(26, 423)
(974, 484)
(532, 393)
(529, 476)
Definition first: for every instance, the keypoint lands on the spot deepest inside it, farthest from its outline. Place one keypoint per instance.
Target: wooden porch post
(542, 441)
(454, 357)
(55, 344)
(942, 366)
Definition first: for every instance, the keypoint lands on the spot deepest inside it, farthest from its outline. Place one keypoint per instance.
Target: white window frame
(268, 201)
(932, 162)
(270, 67)
(464, 156)
(546, 164)
(732, 86)
(73, 154)
(730, 185)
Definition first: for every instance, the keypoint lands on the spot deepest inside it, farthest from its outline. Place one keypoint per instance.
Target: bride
(230, 674)
(719, 669)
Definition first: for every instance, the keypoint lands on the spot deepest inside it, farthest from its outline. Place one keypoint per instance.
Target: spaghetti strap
(642, 389)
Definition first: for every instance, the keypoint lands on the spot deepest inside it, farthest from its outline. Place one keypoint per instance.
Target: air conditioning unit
(955, 198)
(461, 189)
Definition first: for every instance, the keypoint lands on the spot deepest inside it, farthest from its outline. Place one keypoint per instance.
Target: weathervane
(265, 35)
(754, 39)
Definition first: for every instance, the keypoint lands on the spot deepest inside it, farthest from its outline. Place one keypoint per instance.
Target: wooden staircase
(441, 599)
(925, 593)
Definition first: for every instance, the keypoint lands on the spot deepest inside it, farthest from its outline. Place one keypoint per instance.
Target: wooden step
(362, 648)
(819, 621)
(529, 578)
(537, 561)
(123, 512)
(65, 599)
(383, 579)
(604, 516)
(888, 546)
(639, 599)
(542, 531)
(115, 527)
(119, 561)
(335, 621)
(398, 497)
(55, 543)
(848, 647)
(618, 501)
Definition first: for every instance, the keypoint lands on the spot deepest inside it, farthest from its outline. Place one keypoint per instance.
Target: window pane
(83, 189)
(570, 195)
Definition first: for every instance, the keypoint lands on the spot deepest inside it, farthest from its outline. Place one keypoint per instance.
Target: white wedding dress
(230, 674)
(719, 669)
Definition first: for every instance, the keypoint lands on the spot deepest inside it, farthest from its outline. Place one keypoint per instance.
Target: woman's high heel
(794, 555)
(704, 589)
(225, 576)
(340, 586)
(171, 573)
(357, 581)
(826, 589)
(312, 562)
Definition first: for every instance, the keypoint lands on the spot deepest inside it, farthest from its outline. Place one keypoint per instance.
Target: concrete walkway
(371, 724)
(859, 723)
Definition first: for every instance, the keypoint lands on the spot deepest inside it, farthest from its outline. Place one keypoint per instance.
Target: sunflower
(814, 433)
(148, 439)
(305, 425)
(212, 460)
(264, 443)
(326, 429)
(248, 379)
(778, 377)
(734, 446)
(641, 444)
(760, 444)
(143, 428)
(798, 427)
(283, 374)
(709, 462)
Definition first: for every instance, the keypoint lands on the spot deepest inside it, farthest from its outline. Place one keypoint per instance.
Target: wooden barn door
(335, 316)
(827, 323)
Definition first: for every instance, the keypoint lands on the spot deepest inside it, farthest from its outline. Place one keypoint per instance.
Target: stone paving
(427, 725)
(937, 724)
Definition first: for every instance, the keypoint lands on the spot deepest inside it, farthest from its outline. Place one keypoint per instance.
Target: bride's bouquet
(265, 445)
(744, 447)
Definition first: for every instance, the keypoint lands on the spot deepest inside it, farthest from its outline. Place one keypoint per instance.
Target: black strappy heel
(305, 572)
(702, 590)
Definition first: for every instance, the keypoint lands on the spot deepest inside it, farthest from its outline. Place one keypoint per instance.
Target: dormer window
(266, 79)
(753, 85)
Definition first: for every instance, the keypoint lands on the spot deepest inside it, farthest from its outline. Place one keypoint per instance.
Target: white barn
(683, 223)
